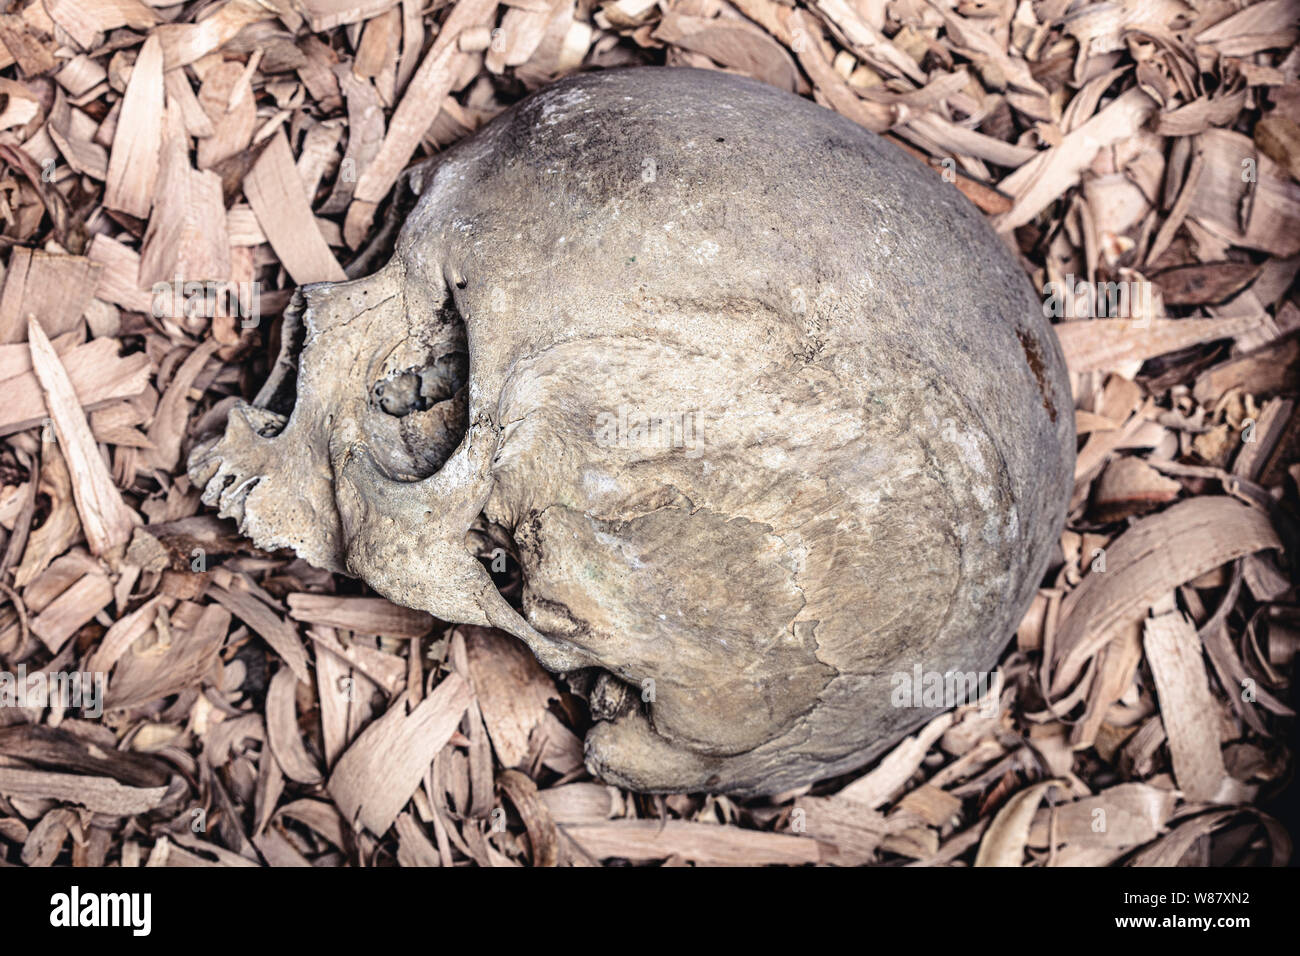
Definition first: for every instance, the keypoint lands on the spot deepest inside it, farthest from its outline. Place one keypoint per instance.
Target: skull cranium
(769, 411)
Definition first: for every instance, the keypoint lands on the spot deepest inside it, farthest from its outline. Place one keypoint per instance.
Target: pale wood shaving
(381, 769)
(105, 518)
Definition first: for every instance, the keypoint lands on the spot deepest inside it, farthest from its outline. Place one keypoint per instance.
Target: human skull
(770, 412)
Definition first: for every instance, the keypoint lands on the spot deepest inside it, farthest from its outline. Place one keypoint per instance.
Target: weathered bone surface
(771, 413)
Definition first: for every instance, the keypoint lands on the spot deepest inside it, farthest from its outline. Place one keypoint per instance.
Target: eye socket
(418, 415)
(418, 390)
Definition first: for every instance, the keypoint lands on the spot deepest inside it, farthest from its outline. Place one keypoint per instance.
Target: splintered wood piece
(168, 427)
(105, 518)
(1187, 708)
(282, 730)
(561, 747)
(867, 41)
(98, 375)
(387, 671)
(365, 136)
(874, 116)
(1047, 176)
(1279, 138)
(133, 162)
(377, 52)
(1206, 283)
(1244, 197)
(364, 615)
(1272, 368)
(97, 794)
(702, 843)
(1009, 71)
(73, 133)
(57, 289)
(430, 84)
(62, 617)
(228, 104)
(317, 73)
(180, 96)
(119, 279)
(1255, 19)
(33, 52)
(62, 527)
(1007, 836)
(333, 684)
(85, 19)
(1273, 440)
(185, 662)
(1171, 848)
(326, 14)
(734, 43)
(167, 853)
(318, 815)
(543, 838)
(513, 690)
(187, 236)
(82, 752)
(124, 632)
(584, 802)
(23, 106)
(172, 544)
(414, 848)
(274, 190)
(1119, 817)
(275, 630)
(1129, 486)
(183, 43)
(1100, 345)
(880, 785)
(522, 31)
(855, 831)
(379, 772)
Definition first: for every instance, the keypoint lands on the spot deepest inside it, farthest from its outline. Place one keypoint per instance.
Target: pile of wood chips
(260, 711)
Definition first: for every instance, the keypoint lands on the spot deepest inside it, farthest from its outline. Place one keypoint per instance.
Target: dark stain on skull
(1034, 356)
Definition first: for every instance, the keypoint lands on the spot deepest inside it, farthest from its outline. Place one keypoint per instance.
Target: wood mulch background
(262, 712)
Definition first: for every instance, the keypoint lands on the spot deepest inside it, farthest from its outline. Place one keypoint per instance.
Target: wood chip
(1007, 836)
(55, 288)
(376, 616)
(377, 774)
(512, 690)
(1147, 562)
(133, 162)
(275, 192)
(185, 661)
(432, 81)
(97, 794)
(282, 730)
(702, 843)
(1187, 708)
(282, 636)
(105, 518)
